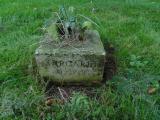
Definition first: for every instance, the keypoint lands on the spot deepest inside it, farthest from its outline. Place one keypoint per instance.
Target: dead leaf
(52, 101)
(151, 90)
(49, 102)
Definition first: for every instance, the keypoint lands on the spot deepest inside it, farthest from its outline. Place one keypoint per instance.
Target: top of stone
(91, 45)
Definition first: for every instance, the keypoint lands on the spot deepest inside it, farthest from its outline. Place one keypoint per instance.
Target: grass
(132, 26)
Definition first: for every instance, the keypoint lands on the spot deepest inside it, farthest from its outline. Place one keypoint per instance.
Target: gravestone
(72, 61)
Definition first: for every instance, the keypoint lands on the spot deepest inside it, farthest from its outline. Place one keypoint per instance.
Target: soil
(67, 91)
(110, 68)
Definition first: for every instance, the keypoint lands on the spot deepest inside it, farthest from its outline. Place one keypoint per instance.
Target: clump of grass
(68, 25)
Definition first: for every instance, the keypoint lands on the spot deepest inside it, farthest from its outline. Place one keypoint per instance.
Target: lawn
(131, 26)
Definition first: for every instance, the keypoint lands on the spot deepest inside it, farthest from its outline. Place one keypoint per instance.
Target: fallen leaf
(151, 90)
(51, 101)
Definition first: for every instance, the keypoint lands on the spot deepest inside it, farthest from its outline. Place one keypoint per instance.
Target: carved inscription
(72, 67)
(74, 63)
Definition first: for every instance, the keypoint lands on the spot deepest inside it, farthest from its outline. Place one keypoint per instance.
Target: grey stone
(72, 61)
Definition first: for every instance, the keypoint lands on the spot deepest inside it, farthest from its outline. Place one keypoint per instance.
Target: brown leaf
(51, 101)
(151, 90)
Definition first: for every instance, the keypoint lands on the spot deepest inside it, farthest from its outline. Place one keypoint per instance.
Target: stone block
(72, 61)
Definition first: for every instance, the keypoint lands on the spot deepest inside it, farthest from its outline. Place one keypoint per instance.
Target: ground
(131, 26)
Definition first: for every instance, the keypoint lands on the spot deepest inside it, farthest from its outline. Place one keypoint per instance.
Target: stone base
(72, 61)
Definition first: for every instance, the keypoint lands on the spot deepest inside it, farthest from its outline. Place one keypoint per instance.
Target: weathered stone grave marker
(75, 62)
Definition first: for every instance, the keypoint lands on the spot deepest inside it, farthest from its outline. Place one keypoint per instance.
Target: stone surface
(72, 61)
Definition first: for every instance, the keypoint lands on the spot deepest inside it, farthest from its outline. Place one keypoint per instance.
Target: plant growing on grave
(69, 25)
